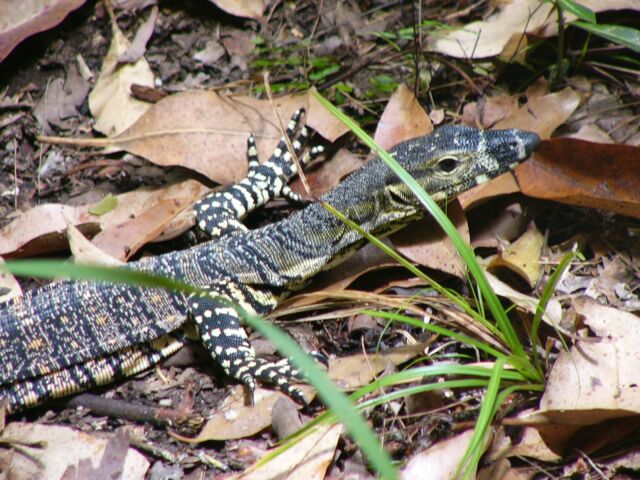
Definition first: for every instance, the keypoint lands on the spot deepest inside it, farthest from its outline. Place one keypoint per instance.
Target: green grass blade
(578, 10)
(626, 36)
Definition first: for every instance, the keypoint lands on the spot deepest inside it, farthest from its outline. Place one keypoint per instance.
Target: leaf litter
(585, 165)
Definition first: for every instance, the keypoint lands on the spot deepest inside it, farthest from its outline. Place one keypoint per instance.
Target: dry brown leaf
(596, 380)
(326, 175)
(42, 229)
(61, 100)
(84, 251)
(553, 313)
(139, 45)
(355, 371)
(32, 16)
(528, 444)
(110, 101)
(369, 258)
(523, 256)
(207, 132)
(501, 185)
(425, 243)
(551, 29)
(489, 38)
(543, 113)
(489, 110)
(242, 8)
(309, 458)
(64, 448)
(492, 225)
(403, 118)
(582, 173)
(234, 419)
(439, 461)
(501, 33)
(9, 286)
(124, 240)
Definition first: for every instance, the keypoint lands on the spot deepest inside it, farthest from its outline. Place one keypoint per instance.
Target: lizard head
(455, 158)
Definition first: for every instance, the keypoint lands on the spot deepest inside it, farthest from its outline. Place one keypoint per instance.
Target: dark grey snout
(510, 146)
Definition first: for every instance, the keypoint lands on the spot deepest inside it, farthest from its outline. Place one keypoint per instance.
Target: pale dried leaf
(425, 243)
(355, 371)
(523, 256)
(42, 229)
(61, 100)
(553, 313)
(309, 458)
(403, 118)
(326, 175)
(84, 251)
(528, 444)
(110, 101)
(543, 113)
(125, 239)
(139, 45)
(32, 17)
(207, 132)
(9, 286)
(439, 461)
(489, 38)
(242, 8)
(235, 419)
(64, 447)
(596, 380)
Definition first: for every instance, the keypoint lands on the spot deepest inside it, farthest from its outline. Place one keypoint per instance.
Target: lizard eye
(448, 164)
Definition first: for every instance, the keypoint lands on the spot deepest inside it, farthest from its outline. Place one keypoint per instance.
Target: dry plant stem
(127, 411)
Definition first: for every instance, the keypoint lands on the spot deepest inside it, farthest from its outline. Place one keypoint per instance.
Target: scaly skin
(71, 336)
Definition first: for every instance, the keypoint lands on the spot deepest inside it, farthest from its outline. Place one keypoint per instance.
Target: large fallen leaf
(65, 448)
(42, 229)
(543, 112)
(21, 20)
(553, 313)
(502, 33)
(308, 458)
(403, 118)
(440, 461)
(235, 419)
(242, 8)
(489, 38)
(426, 244)
(326, 175)
(123, 240)
(587, 174)
(523, 256)
(597, 379)
(207, 132)
(110, 101)
(355, 371)
(527, 444)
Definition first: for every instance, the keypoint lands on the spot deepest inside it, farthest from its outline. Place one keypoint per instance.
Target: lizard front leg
(224, 337)
(221, 213)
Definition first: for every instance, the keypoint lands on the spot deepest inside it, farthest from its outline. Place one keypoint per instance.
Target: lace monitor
(73, 335)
